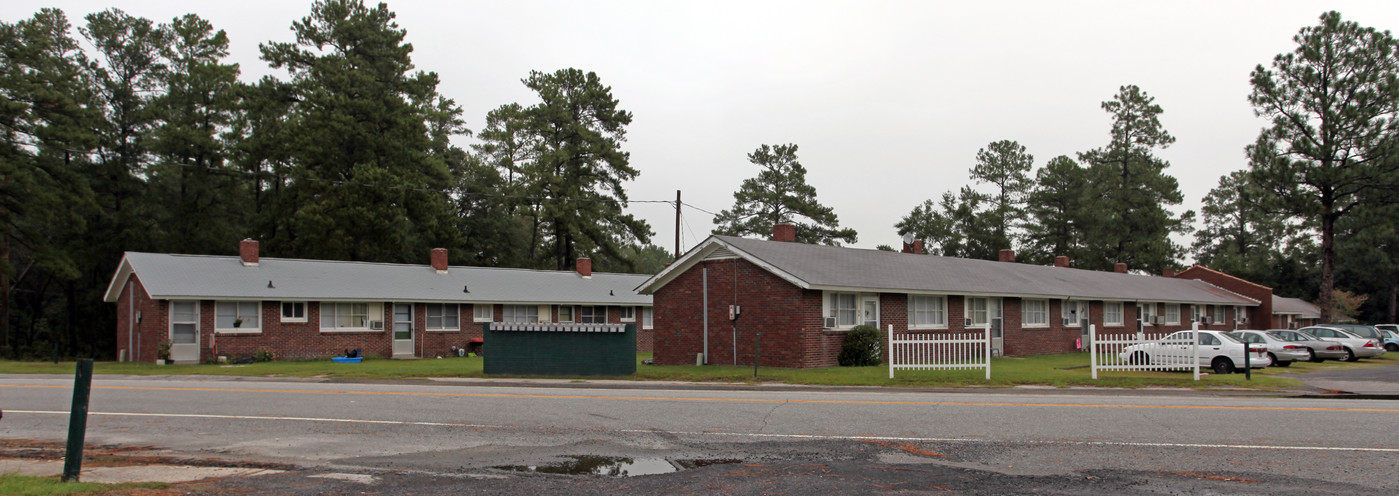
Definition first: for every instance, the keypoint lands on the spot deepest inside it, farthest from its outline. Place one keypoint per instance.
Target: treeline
(151, 142)
(1313, 215)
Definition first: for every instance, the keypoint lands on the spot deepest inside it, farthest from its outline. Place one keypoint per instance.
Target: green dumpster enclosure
(560, 349)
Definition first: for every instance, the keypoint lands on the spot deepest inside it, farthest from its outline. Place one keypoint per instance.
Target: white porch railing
(970, 350)
(1175, 351)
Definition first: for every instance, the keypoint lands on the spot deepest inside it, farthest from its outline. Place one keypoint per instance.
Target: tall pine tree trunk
(1328, 256)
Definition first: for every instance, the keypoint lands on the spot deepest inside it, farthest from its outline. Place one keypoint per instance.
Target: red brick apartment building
(803, 299)
(221, 305)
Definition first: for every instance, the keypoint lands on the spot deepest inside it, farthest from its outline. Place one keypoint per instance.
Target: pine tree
(1131, 190)
(780, 194)
(577, 169)
(1006, 165)
(365, 179)
(1058, 209)
(1333, 104)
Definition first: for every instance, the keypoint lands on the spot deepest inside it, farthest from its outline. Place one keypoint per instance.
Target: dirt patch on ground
(120, 456)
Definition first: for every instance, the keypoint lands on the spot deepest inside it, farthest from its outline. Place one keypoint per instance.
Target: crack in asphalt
(774, 408)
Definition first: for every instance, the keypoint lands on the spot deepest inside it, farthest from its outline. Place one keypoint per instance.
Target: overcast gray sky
(888, 101)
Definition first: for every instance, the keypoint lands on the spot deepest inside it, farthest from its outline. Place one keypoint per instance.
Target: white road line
(745, 434)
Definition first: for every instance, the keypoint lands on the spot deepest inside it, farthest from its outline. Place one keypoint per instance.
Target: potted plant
(163, 352)
(237, 322)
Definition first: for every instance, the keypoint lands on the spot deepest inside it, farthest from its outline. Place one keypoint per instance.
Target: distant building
(234, 306)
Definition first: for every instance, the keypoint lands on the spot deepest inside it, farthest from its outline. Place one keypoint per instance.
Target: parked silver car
(1355, 346)
(1317, 350)
(1282, 352)
(1362, 330)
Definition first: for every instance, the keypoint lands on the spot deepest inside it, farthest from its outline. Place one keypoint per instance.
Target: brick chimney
(1008, 255)
(917, 247)
(1169, 272)
(1061, 261)
(784, 232)
(584, 265)
(247, 250)
(439, 260)
(1119, 267)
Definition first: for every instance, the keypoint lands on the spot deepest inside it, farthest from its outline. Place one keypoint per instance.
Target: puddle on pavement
(616, 466)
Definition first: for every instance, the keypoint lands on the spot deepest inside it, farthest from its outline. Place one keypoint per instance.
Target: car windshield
(1290, 336)
(1389, 328)
(1358, 330)
(1246, 337)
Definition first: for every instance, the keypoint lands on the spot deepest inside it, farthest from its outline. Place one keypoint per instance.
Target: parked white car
(1355, 346)
(1218, 351)
(1281, 352)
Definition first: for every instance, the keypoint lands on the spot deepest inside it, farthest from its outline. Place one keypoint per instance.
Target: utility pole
(677, 224)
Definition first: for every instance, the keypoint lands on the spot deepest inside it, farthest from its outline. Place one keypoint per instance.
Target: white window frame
(969, 312)
(1218, 317)
(255, 319)
(593, 316)
(1239, 313)
(294, 304)
(648, 318)
(831, 307)
(512, 313)
(175, 320)
(628, 313)
(452, 309)
(477, 310)
(1148, 313)
(1172, 318)
(1111, 307)
(1041, 315)
(334, 316)
(565, 308)
(934, 313)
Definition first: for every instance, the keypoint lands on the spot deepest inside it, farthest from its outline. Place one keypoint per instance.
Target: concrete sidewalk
(133, 473)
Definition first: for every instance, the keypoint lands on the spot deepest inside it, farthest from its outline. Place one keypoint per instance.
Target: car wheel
(1311, 356)
(1391, 346)
(1272, 360)
(1350, 356)
(1140, 358)
(1222, 365)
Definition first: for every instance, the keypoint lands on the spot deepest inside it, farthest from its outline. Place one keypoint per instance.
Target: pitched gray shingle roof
(167, 276)
(1294, 306)
(830, 267)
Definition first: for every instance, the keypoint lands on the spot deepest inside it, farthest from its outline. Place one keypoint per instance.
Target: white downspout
(704, 273)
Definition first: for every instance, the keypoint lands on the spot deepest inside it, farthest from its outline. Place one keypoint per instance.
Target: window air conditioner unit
(377, 325)
(1242, 320)
(830, 323)
(1158, 320)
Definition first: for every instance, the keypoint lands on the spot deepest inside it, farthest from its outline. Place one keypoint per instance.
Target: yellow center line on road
(722, 400)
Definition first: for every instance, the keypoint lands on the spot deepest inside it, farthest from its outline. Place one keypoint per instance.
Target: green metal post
(77, 421)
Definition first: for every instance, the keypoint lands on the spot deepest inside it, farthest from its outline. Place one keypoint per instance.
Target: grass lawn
(1070, 369)
(24, 485)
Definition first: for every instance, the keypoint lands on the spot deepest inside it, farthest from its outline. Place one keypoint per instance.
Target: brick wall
(1259, 317)
(152, 328)
(788, 317)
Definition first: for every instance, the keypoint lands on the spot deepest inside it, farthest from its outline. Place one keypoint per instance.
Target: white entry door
(869, 314)
(184, 331)
(402, 329)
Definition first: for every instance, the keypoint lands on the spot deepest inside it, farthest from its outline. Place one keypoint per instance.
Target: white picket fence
(939, 351)
(1151, 352)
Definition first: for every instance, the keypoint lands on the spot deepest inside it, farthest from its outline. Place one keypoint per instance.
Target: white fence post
(1093, 348)
(891, 351)
(987, 348)
(1195, 345)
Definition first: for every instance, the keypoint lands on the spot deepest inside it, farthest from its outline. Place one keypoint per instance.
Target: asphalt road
(413, 438)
